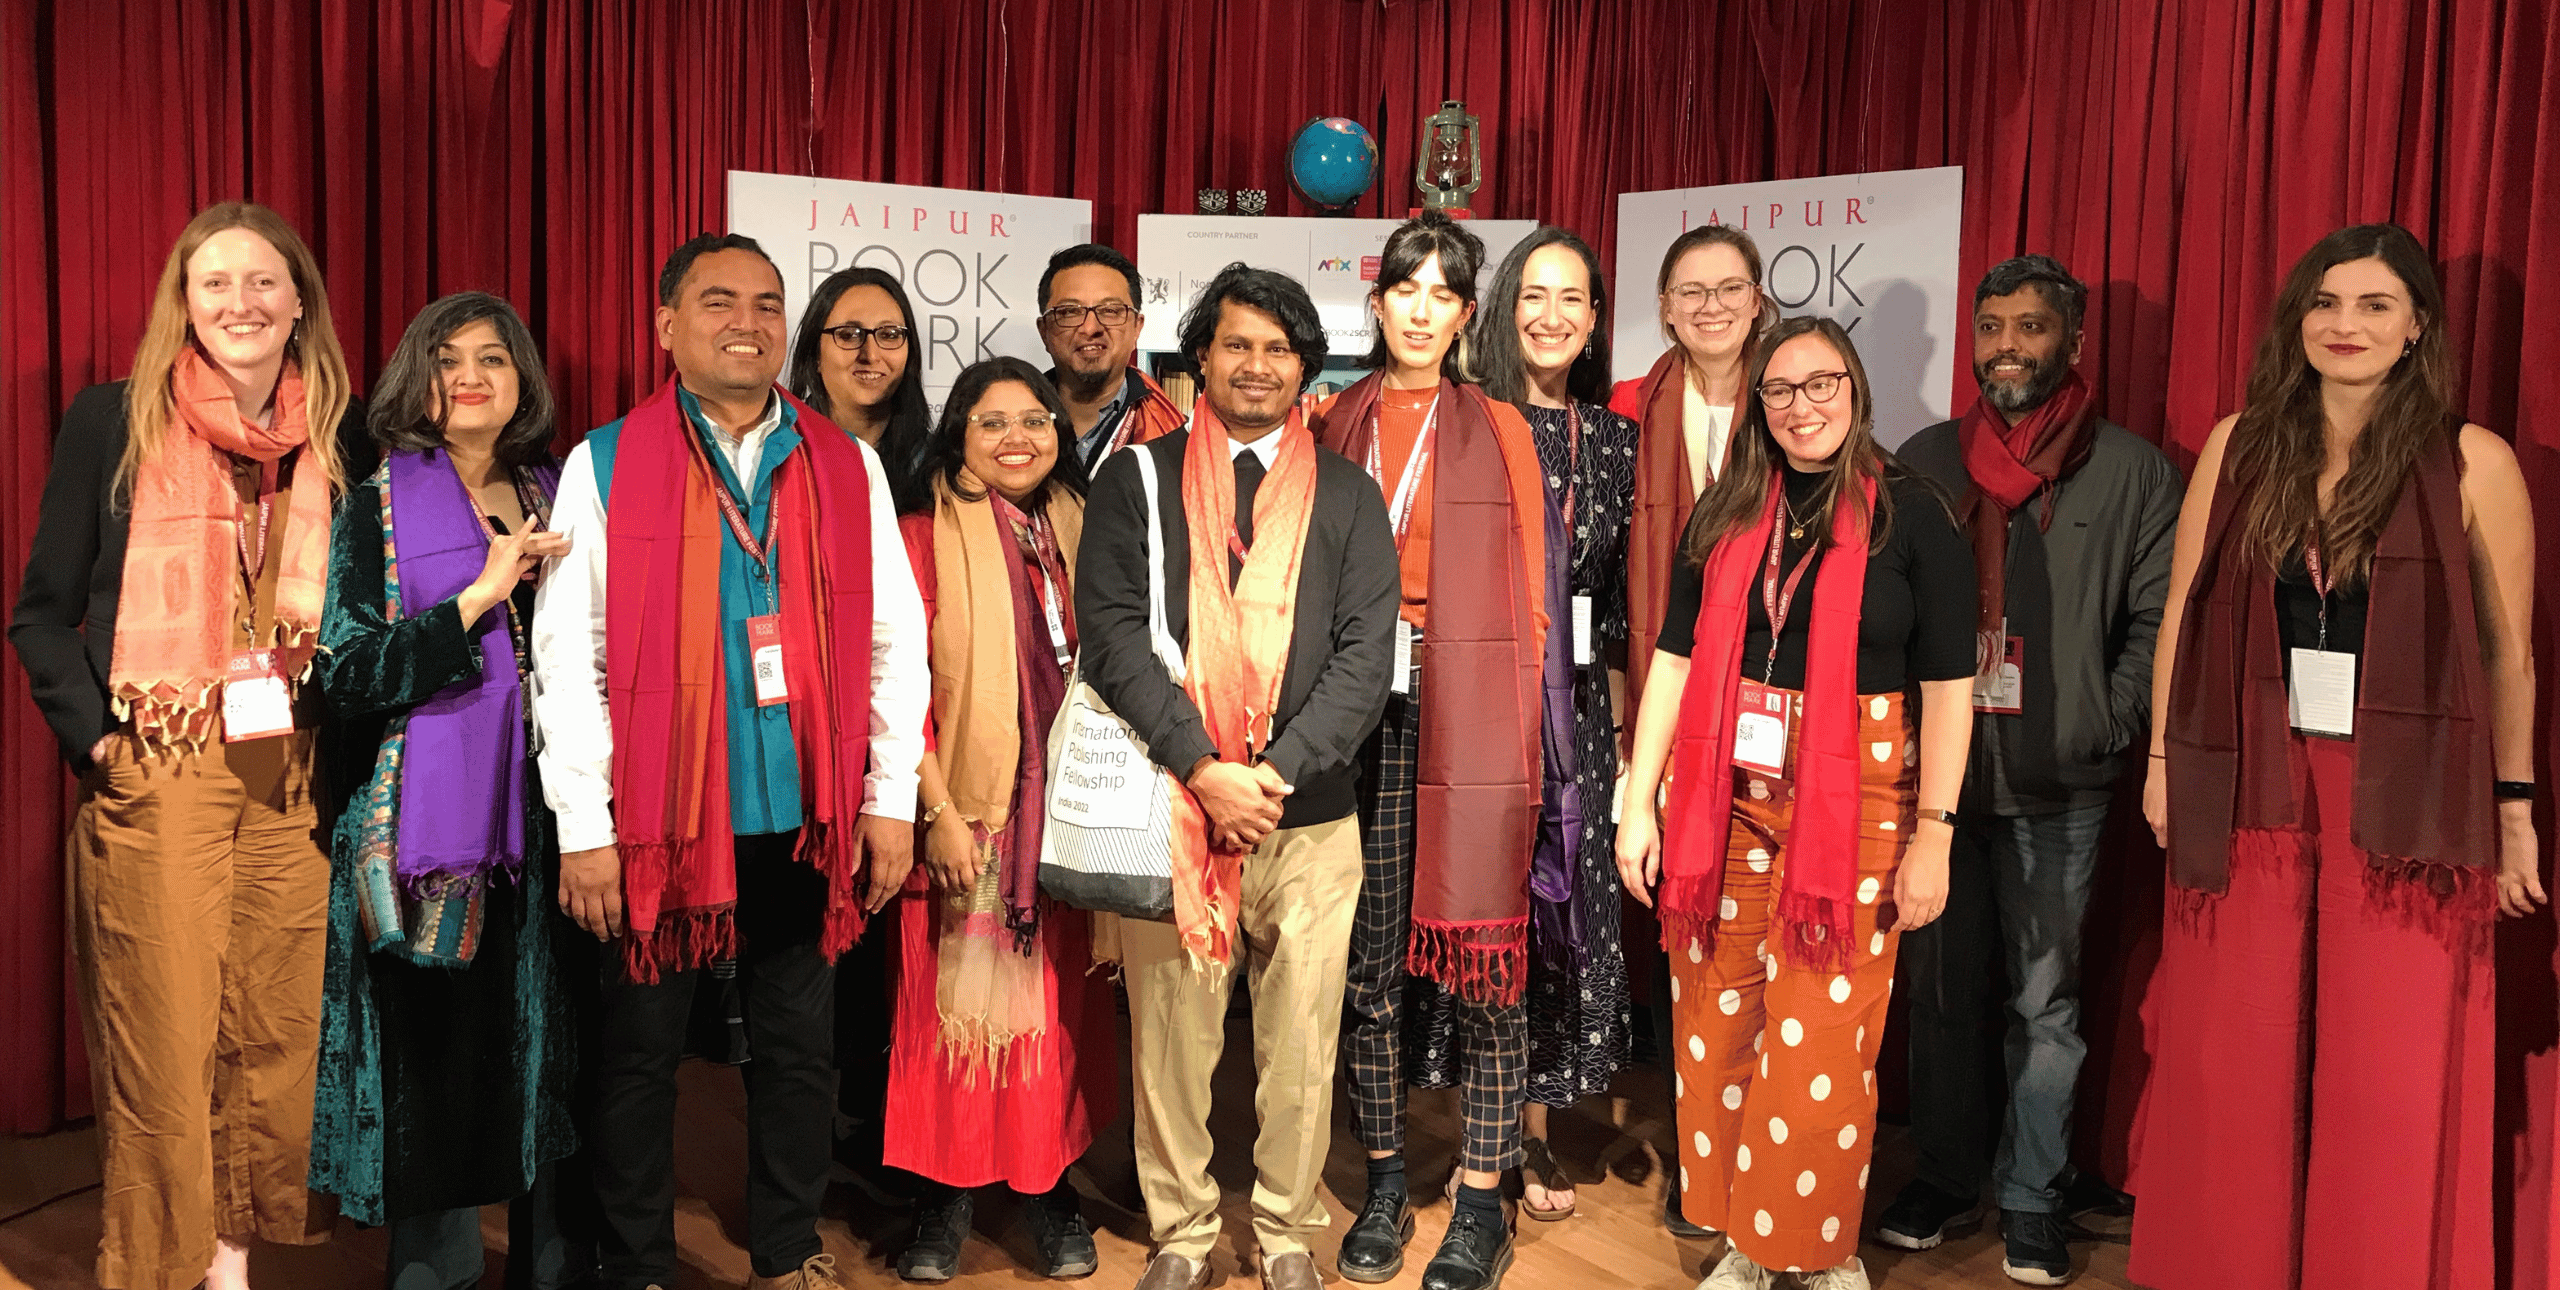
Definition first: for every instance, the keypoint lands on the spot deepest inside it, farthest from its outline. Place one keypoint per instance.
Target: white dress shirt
(569, 700)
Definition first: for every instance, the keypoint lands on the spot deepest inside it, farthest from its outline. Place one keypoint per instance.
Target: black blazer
(64, 628)
(1335, 687)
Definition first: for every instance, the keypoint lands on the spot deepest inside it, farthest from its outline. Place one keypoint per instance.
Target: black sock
(1386, 1174)
(1061, 1199)
(1483, 1202)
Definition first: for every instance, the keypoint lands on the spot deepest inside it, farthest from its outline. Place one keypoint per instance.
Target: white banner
(1875, 252)
(970, 262)
(1337, 259)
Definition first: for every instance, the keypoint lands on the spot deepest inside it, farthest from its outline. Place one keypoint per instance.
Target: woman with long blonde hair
(167, 622)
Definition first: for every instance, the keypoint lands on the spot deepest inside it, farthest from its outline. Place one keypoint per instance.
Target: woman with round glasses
(1810, 809)
(1712, 309)
(1003, 1044)
(853, 361)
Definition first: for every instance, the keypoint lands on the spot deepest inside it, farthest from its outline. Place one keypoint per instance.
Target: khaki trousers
(1298, 892)
(199, 903)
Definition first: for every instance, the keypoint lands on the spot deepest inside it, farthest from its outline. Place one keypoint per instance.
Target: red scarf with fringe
(1822, 842)
(1479, 762)
(1239, 649)
(667, 682)
(2422, 749)
(2010, 464)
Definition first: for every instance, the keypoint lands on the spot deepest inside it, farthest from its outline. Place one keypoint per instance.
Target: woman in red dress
(2339, 835)
(1003, 1041)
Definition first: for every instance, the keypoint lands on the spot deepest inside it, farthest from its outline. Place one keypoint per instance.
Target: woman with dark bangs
(2340, 837)
(447, 1044)
(1450, 783)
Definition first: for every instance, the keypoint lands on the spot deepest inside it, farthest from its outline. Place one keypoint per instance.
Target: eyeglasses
(996, 423)
(1777, 396)
(1069, 317)
(851, 336)
(1732, 293)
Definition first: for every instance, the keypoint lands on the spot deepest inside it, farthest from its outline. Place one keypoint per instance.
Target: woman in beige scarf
(1002, 1042)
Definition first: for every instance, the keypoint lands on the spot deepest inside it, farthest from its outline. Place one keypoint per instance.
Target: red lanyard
(253, 561)
(2319, 583)
(1777, 600)
(729, 511)
(1572, 461)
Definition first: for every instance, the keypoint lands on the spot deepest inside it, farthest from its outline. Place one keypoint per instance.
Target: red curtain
(2176, 154)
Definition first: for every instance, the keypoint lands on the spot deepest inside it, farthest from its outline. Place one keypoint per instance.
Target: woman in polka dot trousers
(1806, 822)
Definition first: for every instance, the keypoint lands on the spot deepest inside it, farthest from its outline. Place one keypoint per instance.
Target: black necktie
(1248, 482)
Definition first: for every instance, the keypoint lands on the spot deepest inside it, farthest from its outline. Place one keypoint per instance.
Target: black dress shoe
(1473, 1255)
(1373, 1250)
(942, 1226)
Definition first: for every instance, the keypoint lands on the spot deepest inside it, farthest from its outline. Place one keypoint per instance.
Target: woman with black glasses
(853, 362)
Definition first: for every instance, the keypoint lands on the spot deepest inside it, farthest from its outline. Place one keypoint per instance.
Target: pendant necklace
(1795, 527)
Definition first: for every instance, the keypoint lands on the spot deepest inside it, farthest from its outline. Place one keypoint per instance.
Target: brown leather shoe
(819, 1273)
(1174, 1272)
(1295, 1270)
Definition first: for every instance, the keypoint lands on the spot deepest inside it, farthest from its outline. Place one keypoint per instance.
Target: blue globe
(1333, 160)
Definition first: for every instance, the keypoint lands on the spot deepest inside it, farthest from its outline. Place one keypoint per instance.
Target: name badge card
(2322, 699)
(255, 702)
(1401, 681)
(1998, 688)
(764, 648)
(1582, 631)
(1760, 729)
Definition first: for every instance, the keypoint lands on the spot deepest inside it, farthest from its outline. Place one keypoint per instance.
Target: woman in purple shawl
(446, 1038)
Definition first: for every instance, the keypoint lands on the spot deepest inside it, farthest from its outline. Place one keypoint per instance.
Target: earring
(2408, 345)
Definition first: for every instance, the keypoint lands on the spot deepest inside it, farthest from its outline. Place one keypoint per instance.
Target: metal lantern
(1450, 166)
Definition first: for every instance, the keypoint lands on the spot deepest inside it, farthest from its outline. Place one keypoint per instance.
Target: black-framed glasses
(1777, 396)
(1113, 314)
(1732, 293)
(851, 336)
(996, 423)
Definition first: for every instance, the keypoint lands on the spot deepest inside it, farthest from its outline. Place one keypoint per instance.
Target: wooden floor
(49, 1208)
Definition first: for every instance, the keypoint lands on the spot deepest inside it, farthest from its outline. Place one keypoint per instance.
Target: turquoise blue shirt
(764, 766)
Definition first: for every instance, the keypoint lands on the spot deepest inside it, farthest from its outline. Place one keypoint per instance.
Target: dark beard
(1082, 388)
(2044, 380)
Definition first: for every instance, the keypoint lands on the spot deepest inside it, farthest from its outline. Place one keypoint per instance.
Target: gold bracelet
(935, 811)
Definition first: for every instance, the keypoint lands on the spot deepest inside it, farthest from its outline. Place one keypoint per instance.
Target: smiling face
(1420, 317)
(1250, 374)
(2020, 353)
(476, 382)
(241, 301)
(1712, 305)
(863, 377)
(1808, 430)
(1087, 350)
(1010, 442)
(725, 327)
(1554, 311)
(2361, 321)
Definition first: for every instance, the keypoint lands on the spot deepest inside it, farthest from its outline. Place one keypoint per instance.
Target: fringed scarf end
(823, 847)
(683, 940)
(1815, 932)
(1478, 962)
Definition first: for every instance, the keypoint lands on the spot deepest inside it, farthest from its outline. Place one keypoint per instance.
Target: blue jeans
(2018, 886)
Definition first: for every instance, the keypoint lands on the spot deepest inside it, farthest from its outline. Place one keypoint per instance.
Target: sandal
(1538, 1165)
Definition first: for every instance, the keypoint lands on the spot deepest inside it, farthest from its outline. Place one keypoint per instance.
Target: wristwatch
(1947, 818)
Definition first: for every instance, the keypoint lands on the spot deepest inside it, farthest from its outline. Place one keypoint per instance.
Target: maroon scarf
(2010, 464)
(1661, 514)
(1478, 764)
(667, 684)
(2423, 767)
(1822, 843)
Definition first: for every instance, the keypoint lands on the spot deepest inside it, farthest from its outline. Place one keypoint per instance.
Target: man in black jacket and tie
(1282, 796)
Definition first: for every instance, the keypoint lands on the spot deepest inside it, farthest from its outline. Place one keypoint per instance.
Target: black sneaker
(1064, 1239)
(1922, 1216)
(2036, 1255)
(1373, 1250)
(942, 1226)
(1473, 1254)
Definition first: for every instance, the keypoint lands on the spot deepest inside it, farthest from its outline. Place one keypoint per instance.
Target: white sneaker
(1851, 1275)
(1738, 1272)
